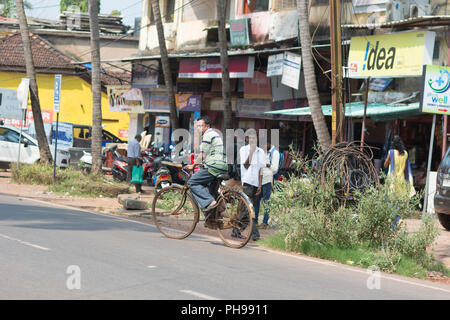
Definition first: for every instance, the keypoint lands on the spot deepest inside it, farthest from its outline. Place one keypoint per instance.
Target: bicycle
(176, 213)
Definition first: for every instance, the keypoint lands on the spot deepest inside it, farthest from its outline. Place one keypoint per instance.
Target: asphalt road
(52, 252)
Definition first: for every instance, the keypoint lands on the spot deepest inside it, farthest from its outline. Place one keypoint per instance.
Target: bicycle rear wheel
(174, 212)
(235, 219)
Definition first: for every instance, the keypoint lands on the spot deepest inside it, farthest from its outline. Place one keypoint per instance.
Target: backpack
(280, 163)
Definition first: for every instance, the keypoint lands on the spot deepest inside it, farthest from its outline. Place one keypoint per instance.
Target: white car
(29, 151)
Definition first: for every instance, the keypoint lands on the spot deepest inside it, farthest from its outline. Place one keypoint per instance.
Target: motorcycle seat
(223, 176)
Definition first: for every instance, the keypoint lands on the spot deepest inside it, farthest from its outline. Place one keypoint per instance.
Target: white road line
(24, 242)
(198, 294)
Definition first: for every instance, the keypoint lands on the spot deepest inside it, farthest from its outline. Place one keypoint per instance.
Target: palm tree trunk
(44, 150)
(312, 92)
(96, 145)
(165, 64)
(226, 91)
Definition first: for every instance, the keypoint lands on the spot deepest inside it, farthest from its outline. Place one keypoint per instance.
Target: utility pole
(336, 72)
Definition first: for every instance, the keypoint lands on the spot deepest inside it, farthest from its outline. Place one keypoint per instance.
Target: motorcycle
(170, 172)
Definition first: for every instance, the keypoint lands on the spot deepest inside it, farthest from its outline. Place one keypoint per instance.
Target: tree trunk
(312, 93)
(44, 150)
(96, 144)
(165, 64)
(226, 91)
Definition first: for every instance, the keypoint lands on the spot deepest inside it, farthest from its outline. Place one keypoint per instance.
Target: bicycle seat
(223, 176)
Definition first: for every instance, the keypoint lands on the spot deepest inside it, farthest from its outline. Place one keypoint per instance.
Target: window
(251, 6)
(284, 4)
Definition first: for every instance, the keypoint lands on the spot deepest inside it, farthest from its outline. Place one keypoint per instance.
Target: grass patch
(363, 256)
(68, 181)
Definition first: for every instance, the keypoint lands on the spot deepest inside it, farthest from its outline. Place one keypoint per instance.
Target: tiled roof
(47, 58)
(44, 54)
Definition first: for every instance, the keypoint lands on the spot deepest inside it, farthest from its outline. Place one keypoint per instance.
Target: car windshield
(446, 160)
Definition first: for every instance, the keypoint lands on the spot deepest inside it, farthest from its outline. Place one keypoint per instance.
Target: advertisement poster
(435, 90)
(275, 65)
(125, 99)
(65, 134)
(162, 121)
(291, 70)
(391, 55)
(239, 35)
(9, 105)
(188, 102)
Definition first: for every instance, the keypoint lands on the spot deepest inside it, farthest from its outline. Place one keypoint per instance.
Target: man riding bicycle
(213, 158)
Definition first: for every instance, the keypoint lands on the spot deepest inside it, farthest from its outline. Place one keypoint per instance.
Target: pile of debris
(350, 164)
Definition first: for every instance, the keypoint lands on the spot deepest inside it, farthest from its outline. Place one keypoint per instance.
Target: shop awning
(375, 111)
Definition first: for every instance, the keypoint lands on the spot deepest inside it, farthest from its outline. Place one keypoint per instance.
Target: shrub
(67, 180)
(307, 211)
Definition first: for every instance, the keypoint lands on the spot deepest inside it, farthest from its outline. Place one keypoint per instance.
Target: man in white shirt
(271, 168)
(253, 160)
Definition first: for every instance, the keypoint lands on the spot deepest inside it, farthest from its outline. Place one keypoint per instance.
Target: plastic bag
(136, 175)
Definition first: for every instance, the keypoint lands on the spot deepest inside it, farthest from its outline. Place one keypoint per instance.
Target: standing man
(251, 173)
(271, 168)
(133, 155)
(212, 157)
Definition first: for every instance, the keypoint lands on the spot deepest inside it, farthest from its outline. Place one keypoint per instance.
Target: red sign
(210, 68)
(123, 134)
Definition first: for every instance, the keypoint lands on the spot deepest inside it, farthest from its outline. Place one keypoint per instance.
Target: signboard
(145, 74)
(257, 87)
(390, 55)
(9, 105)
(22, 93)
(252, 108)
(291, 70)
(162, 122)
(57, 93)
(210, 68)
(65, 135)
(125, 99)
(239, 35)
(156, 102)
(275, 65)
(435, 97)
(188, 102)
(379, 84)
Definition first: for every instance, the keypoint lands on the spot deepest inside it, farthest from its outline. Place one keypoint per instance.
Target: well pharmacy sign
(435, 90)
(392, 55)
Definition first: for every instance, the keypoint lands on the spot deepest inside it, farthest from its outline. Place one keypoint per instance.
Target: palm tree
(226, 91)
(96, 146)
(312, 93)
(165, 64)
(44, 150)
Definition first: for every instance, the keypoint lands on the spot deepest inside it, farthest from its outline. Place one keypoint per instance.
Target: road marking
(151, 267)
(198, 294)
(24, 242)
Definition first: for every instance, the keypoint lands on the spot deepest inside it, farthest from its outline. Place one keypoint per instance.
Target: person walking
(212, 157)
(251, 173)
(268, 172)
(399, 172)
(133, 156)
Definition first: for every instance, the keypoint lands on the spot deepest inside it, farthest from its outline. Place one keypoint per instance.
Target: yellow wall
(76, 100)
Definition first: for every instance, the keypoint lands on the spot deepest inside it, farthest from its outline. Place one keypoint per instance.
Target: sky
(49, 9)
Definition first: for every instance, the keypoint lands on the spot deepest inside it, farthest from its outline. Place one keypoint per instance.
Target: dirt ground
(441, 246)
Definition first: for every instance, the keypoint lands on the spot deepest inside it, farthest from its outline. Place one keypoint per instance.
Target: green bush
(309, 215)
(67, 180)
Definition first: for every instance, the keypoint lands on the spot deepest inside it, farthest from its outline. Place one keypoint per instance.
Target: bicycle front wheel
(235, 219)
(175, 212)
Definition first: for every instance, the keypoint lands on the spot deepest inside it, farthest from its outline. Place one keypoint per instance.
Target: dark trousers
(201, 187)
(264, 196)
(250, 191)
